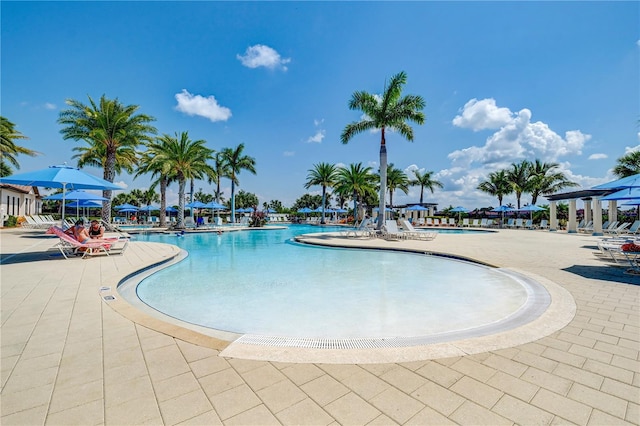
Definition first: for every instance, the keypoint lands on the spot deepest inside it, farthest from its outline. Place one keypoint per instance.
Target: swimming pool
(260, 283)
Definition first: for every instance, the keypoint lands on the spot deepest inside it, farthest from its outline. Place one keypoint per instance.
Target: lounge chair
(412, 233)
(519, 223)
(528, 224)
(364, 229)
(544, 224)
(476, 223)
(618, 229)
(436, 222)
(634, 228)
(189, 222)
(451, 221)
(390, 230)
(429, 221)
(465, 222)
(70, 246)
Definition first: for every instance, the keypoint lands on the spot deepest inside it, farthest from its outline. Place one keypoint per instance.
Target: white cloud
(628, 149)
(598, 156)
(317, 138)
(289, 153)
(49, 105)
(202, 106)
(260, 55)
(483, 114)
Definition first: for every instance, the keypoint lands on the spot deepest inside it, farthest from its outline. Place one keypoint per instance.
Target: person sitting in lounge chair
(96, 231)
(79, 232)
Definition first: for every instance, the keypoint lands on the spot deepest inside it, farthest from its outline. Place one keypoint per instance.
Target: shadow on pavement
(612, 273)
(13, 258)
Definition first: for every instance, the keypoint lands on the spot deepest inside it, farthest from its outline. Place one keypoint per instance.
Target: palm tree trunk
(233, 202)
(383, 182)
(181, 185)
(163, 202)
(109, 175)
(324, 196)
(191, 197)
(421, 193)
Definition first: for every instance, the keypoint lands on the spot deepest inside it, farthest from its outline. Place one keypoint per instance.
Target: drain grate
(360, 343)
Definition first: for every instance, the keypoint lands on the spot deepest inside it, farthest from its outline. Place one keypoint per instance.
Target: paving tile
(281, 395)
(342, 371)
(621, 390)
(165, 362)
(579, 375)
(594, 398)
(377, 369)
(352, 410)
(258, 416)
(536, 361)
(27, 379)
(429, 416)
(263, 377)
(32, 416)
(520, 412)
(598, 336)
(184, 407)
(244, 365)
(633, 413)
(616, 373)
(565, 357)
(120, 391)
(547, 381)
(471, 413)
(404, 379)
(474, 369)
(221, 381)
(440, 374)
(506, 365)
(25, 399)
(193, 352)
(133, 411)
(477, 392)
(91, 413)
(366, 384)
(234, 401)
(438, 398)
(302, 373)
(70, 397)
(397, 405)
(305, 412)
(624, 362)
(175, 386)
(209, 365)
(590, 353)
(210, 418)
(627, 352)
(561, 406)
(382, 420)
(324, 390)
(513, 386)
(599, 418)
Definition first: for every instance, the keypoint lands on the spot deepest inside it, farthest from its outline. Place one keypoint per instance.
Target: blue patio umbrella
(632, 181)
(502, 209)
(149, 209)
(417, 208)
(305, 210)
(63, 176)
(126, 206)
(459, 210)
(630, 193)
(171, 210)
(75, 196)
(530, 208)
(84, 204)
(195, 205)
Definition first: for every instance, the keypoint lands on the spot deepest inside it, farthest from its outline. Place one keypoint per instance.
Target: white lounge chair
(465, 222)
(390, 230)
(364, 230)
(475, 223)
(451, 221)
(544, 224)
(634, 228)
(618, 229)
(412, 233)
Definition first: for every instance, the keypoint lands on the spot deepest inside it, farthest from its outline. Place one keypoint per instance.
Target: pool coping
(558, 314)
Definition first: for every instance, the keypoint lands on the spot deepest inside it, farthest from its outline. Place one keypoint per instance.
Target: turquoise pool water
(259, 282)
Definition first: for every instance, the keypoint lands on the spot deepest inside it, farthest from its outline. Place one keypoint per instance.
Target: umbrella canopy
(502, 209)
(625, 194)
(270, 210)
(196, 205)
(214, 205)
(75, 195)
(632, 181)
(85, 203)
(128, 206)
(127, 210)
(171, 210)
(530, 208)
(63, 176)
(417, 207)
(459, 209)
(149, 209)
(305, 210)
(341, 210)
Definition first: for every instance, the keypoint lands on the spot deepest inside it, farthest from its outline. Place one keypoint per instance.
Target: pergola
(592, 208)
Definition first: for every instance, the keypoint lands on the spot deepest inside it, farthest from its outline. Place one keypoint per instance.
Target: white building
(19, 200)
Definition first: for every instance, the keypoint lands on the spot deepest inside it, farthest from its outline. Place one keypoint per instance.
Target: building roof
(580, 193)
(25, 189)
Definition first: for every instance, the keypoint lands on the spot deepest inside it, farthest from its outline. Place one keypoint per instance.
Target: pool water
(260, 282)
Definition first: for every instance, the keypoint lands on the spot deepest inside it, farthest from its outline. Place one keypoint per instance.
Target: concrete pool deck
(69, 358)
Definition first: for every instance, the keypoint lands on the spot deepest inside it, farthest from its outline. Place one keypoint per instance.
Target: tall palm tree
(357, 182)
(186, 159)
(325, 175)
(390, 111)
(396, 179)
(235, 162)
(497, 185)
(8, 147)
(222, 170)
(545, 180)
(628, 165)
(111, 128)
(425, 180)
(518, 177)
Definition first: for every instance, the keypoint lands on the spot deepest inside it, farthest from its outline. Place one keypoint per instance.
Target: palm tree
(111, 129)
(325, 175)
(357, 182)
(518, 177)
(234, 162)
(185, 159)
(544, 180)
(221, 171)
(396, 179)
(628, 165)
(8, 147)
(390, 111)
(497, 185)
(425, 180)
(151, 161)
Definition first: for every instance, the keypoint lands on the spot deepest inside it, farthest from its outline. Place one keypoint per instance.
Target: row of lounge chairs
(389, 231)
(39, 222)
(612, 228)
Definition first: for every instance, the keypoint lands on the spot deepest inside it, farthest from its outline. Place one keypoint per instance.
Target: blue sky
(558, 81)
